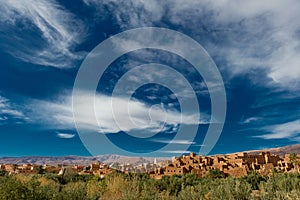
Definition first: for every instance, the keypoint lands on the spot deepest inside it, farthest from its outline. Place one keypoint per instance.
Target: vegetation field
(141, 186)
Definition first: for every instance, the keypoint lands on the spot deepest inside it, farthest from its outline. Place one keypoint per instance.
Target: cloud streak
(42, 33)
(10, 111)
(176, 152)
(183, 142)
(289, 130)
(134, 115)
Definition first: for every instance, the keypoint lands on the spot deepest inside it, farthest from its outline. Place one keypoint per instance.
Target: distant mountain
(112, 158)
(280, 150)
(79, 160)
(41, 160)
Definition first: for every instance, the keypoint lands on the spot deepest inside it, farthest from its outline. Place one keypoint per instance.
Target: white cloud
(250, 120)
(254, 34)
(3, 102)
(176, 151)
(287, 130)
(12, 112)
(58, 30)
(9, 110)
(131, 14)
(258, 34)
(65, 135)
(262, 35)
(184, 142)
(140, 117)
(3, 118)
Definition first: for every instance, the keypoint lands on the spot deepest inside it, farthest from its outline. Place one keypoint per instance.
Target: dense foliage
(141, 186)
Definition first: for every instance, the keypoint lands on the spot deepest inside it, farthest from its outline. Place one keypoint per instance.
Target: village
(238, 165)
(95, 168)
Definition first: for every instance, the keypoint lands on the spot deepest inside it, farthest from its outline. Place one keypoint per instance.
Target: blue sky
(254, 44)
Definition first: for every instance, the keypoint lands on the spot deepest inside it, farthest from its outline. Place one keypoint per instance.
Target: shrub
(231, 188)
(254, 179)
(215, 173)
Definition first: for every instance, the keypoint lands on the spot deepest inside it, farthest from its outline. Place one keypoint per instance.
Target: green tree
(3, 172)
(231, 188)
(254, 179)
(13, 189)
(40, 169)
(215, 173)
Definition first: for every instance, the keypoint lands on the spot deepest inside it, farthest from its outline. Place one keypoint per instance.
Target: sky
(255, 46)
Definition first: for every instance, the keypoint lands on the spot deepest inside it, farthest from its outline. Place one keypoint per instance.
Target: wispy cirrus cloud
(244, 36)
(134, 115)
(176, 152)
(257, 35)
(288, 130)
(10, 111)
(41, 32)
(183, 142)
(264, 36)
(250, 120)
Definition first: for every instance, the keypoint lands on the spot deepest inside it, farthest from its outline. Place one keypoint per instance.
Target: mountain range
(112, 158)
(281, 151)
(79, 160)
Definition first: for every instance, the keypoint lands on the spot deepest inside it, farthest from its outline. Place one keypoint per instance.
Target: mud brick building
(239, 164)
